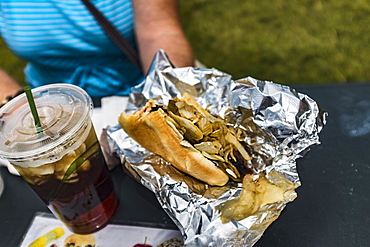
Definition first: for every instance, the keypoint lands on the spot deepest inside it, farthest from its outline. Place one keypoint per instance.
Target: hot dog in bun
(190, 138)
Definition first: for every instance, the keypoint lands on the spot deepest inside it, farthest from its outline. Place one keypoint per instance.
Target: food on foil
(205, 147)
(257, 192)
(196, 142)
(273, 123)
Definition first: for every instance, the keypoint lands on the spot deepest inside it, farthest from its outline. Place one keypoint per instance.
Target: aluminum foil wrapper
(280, 124)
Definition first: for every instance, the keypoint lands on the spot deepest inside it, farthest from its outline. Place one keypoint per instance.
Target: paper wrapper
(280, 125)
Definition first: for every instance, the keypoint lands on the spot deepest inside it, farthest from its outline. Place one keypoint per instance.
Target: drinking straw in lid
(32, 105)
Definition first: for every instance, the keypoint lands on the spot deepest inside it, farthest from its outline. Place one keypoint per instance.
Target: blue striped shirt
(62, 42)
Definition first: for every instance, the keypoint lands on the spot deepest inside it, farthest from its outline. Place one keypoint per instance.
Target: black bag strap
(113, 34)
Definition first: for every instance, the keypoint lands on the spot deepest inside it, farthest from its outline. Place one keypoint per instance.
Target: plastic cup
(63, 163)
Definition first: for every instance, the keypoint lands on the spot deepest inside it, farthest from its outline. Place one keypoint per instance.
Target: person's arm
(8, 86)
(158, 26)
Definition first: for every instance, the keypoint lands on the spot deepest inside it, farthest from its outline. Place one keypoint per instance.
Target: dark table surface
(333, 203)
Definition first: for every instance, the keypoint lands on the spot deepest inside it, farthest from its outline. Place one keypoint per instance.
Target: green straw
(32, 104)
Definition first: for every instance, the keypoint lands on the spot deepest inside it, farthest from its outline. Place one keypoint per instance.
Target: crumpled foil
(281, 124)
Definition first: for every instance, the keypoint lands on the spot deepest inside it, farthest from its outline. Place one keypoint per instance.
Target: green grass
(285, 41)
(10, 63)
(290, 42)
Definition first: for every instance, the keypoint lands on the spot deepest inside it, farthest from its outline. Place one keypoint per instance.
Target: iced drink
(63, 162)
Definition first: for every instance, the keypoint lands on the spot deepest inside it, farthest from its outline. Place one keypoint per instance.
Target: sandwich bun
(156, 131)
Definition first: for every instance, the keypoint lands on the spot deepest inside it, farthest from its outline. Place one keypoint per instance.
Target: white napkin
(111, 235)
(107, 114)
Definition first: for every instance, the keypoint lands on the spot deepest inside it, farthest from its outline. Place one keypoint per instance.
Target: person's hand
(9, 88)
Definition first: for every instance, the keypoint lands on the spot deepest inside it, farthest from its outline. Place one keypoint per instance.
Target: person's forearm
(158, 26)
(8, 86)
(178, 51)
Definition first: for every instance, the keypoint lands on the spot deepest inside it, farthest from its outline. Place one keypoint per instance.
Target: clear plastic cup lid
(62, 109)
